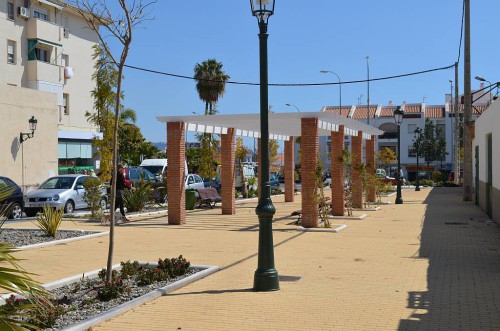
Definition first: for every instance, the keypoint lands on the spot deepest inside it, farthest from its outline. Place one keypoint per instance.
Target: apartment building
(45, 46)
(415, 116)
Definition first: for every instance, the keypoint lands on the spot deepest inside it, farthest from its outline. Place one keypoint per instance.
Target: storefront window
(75, 157)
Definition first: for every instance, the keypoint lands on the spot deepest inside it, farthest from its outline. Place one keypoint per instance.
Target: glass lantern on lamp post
(266, 276)
(398, 118)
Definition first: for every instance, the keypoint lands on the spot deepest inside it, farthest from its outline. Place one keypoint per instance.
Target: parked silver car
(60, 192)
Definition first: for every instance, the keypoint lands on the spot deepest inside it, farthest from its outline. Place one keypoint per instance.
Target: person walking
(121, 185)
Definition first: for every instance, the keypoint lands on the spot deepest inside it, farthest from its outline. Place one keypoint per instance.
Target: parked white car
(194, 181)
(60, 192)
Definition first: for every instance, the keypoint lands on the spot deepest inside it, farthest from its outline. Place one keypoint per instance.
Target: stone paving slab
(429, 264)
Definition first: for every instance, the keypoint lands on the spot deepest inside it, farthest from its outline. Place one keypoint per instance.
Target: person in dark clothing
(121, 185)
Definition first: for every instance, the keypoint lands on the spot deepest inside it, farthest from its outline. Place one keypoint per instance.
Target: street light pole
(418, 133)
(368, 87)
(290, 105)
(340, 87)
(266, 276)
(481, 79)
(398, 117)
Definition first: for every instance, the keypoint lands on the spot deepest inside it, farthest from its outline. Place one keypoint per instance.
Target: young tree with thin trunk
(101, 19)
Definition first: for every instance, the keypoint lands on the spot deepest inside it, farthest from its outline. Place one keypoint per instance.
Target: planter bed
(24, 239)
(83, 310)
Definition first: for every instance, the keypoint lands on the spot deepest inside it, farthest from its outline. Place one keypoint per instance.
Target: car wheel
(17, 211)
(30, 212)
(69, 207)
(104, 203)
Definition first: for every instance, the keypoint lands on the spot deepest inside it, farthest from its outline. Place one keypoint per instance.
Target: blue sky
(304, 38)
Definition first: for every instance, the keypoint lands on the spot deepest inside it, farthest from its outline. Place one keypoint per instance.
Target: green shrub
(426, 182)
(135, 200)
(436, 176)
(49, 220)
(92, 196)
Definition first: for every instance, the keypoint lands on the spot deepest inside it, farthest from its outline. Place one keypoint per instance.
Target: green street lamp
(25, 136)
(266, 276)
(418, 138)
(398, 118)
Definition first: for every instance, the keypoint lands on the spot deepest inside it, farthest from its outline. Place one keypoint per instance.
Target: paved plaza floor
(432, 263)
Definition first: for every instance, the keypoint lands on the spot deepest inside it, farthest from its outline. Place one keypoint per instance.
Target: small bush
(135, 200)
(426, 182)
(92, 196)
(49, 220)
(110, 290)
(437, 176)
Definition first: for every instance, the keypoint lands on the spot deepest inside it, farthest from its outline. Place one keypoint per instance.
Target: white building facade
(46, 46)
(415, 116)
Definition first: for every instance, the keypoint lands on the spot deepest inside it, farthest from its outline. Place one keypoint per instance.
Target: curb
(338, 228)
(62, 241)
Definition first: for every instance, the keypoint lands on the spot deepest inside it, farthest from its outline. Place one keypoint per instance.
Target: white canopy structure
(281, 125)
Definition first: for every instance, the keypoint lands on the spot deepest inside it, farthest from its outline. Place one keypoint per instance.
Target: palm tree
(13, 278)
(211, 85)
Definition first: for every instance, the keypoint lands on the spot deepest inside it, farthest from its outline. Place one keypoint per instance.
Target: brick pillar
(370, 168)
(337, 148)
(259, 169)
(309, 149)
(357, 183)
(289, 170)
(175, 173)
(227, 172)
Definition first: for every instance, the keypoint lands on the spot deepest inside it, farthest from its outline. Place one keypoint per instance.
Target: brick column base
(357, 182)
(175, 173)
(370, 169)
(289, 170)
(309, 150)
(337, 149)
(227, 172)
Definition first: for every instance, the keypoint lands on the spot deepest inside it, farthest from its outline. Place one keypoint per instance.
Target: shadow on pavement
(463, 278)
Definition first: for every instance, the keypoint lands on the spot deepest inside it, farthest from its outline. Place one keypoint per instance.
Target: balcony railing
(44, 30)
(43, 71)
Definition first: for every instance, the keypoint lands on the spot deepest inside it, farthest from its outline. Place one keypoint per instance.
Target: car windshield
(154, 169)
(57, 183)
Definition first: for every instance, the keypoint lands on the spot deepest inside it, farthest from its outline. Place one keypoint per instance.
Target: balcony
(43, 71)
(40, 29)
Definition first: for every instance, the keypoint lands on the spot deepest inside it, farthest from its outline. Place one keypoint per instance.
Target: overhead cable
(290, 84)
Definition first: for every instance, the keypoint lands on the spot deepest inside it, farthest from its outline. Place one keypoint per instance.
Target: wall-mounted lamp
(25, 136)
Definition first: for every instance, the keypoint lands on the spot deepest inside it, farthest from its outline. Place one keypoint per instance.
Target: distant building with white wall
(415, 115)
(46, 46)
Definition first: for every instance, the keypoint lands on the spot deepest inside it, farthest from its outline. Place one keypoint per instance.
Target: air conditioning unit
(23, 12)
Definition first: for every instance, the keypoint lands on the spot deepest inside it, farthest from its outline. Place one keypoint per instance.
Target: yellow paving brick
(431, 263)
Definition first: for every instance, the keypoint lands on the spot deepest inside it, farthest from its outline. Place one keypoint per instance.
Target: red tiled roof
(434, 111)
(387, 111)
(337, 110)
(361, 112)
(412, 108)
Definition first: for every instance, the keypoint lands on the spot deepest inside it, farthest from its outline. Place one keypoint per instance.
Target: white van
(159, 166)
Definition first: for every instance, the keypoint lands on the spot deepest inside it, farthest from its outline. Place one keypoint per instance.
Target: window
(40, 14)
(441, 129)
(412, 152)
(64, 60)
(65, 104)
(411, 128)
(10, 10)
(11, 52)
(42, 54)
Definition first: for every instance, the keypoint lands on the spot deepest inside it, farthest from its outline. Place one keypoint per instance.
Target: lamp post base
(266, 280)
(399, 201)
(417, 188)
